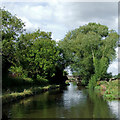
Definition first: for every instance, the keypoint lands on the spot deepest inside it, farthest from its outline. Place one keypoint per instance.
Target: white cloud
(114, 65)
(39, 12)
(57, 40)
(65, 15)
(113, 68)
(28, 24)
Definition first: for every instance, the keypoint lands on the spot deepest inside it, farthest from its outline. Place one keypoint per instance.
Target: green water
(70, 102)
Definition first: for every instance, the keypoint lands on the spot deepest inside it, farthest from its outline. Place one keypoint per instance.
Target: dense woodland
(34, 58)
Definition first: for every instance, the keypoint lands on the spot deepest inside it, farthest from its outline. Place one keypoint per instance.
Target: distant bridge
(75, 78)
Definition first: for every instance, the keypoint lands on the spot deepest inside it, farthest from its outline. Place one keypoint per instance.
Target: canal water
(69, 102)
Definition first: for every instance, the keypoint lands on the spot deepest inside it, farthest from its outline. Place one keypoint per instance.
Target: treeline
(29, 58)
(87, 50)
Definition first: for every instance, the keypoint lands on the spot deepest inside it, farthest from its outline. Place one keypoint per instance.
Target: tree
(38, 54)
(89, 50)
(12, 27)
(33, 55)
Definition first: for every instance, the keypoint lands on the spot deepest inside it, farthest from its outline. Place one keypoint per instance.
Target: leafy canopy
(12, 27)
(38, 54)
(89, 50)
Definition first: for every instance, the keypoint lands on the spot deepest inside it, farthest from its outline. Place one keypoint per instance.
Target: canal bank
(16, 96)
(69, 102)
(109, 89)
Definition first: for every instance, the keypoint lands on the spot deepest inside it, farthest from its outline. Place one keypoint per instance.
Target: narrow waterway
(70, 102)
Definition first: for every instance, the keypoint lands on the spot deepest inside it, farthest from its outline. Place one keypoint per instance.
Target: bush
(84, 82)
(11, 82)
(111, 89)
(41, 81)
(17, 71)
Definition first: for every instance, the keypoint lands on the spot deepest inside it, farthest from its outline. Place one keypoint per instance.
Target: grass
(11, 82)
(19, 83)
(14, 96)
(109, 90)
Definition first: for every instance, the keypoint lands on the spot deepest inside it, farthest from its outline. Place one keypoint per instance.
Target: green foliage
(110, 91)
(117, 76)
(12, 27)
(100, 69)
(93, 81)
(84, 82)
(67, 82)
(12, 82)
(89, 50)
(107, 76)
(16, 70)
(65, 73)
(41, 81)
(38, 54)
(29, 55)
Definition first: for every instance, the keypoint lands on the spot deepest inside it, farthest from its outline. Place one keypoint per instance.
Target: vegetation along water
(34, 63)
(69, 102)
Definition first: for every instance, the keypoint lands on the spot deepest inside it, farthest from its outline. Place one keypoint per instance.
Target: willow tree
(89, 50)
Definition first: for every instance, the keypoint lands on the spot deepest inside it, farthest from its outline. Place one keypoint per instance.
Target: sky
(61, 17)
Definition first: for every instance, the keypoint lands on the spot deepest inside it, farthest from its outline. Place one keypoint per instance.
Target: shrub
(84, 82)
(41, 81)
(17, 71)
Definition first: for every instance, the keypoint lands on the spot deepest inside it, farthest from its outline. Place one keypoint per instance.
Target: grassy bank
(12, 83)
(15, 96)
(109, 90)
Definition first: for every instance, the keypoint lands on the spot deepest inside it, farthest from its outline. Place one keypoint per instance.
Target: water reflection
(114, 106)
(73, 97)
(71, 102)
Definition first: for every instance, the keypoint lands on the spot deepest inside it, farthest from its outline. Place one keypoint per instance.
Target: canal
(69, 102)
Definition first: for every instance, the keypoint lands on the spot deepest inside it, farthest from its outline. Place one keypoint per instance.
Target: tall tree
(12, 27)
(89, 50)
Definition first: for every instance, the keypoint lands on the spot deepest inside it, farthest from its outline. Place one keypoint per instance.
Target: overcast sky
(60, 17)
